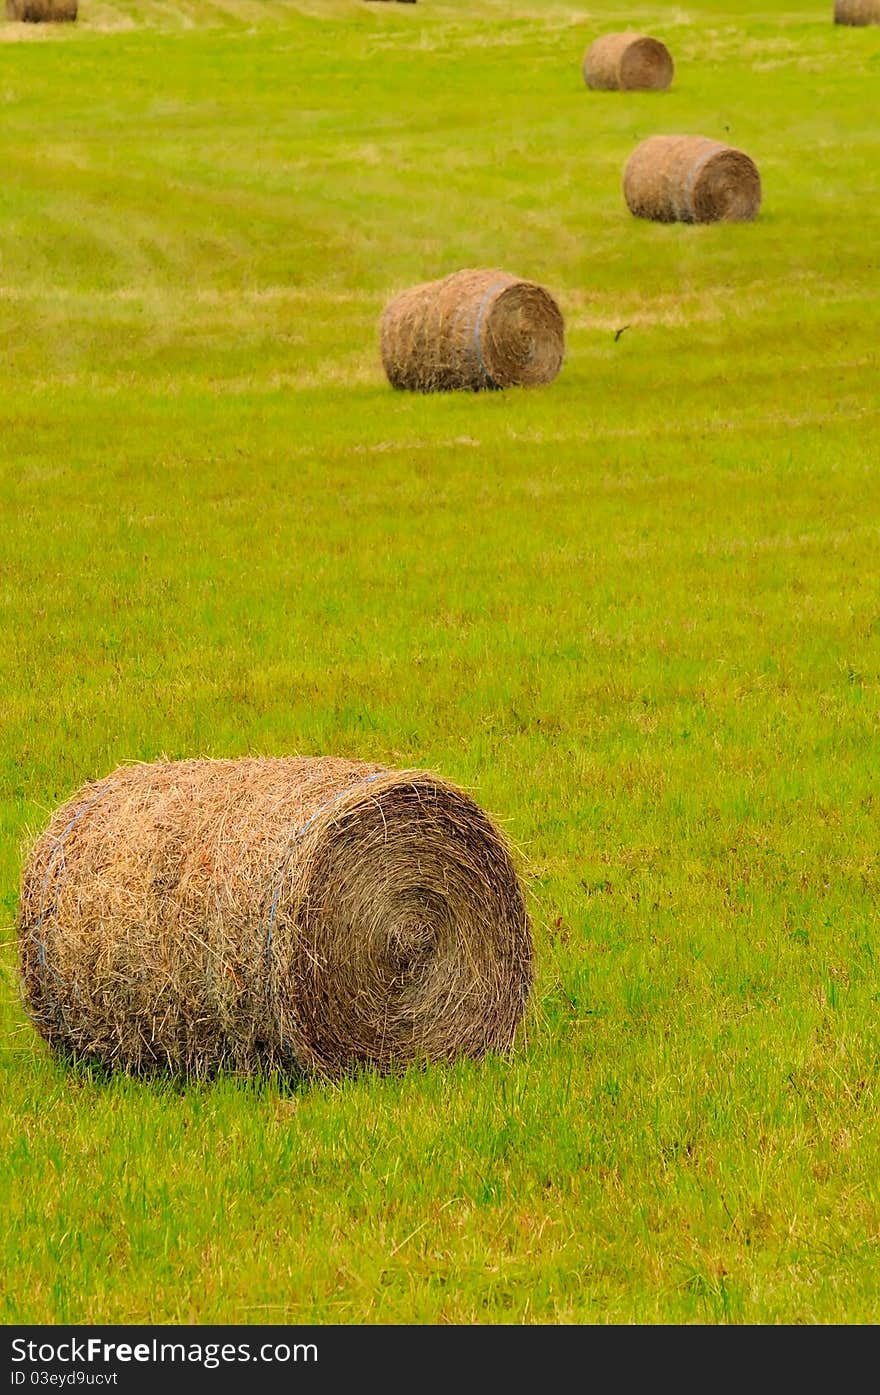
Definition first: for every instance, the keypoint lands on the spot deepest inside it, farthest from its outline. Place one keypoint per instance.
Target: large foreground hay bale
(472, 330)
(42, 11)
(629, 62)
(857, 12)
(258, 914)
(691, 179)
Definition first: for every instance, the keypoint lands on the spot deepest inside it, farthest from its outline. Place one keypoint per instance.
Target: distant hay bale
(628, 62)
(42, 11)
(690, 179)
(473, 330)
(306, 915)
(857, 12)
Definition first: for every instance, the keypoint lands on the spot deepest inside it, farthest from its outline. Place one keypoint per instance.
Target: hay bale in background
(691, 179)
(472, 330)
(857, 12)
(628, 62)
(306, 915)
(42, 11)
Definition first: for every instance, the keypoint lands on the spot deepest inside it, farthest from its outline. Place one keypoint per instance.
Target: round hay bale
(42, 11)
(857, 12)
(628, 62)
(691, 179)
(473, 330)
(305, 915)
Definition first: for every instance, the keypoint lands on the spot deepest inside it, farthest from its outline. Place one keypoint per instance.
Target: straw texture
(42, 11)
(473, 330)
(691, 179)
(306, 915)
(628, 61)
(857, 12)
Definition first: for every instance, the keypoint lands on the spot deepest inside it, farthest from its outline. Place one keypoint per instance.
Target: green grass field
(637, 612)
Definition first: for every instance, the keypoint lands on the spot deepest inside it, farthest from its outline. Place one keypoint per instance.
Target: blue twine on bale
(694, 172)
(40, 945)
(478, 325)
(58, 851)
(292, 845)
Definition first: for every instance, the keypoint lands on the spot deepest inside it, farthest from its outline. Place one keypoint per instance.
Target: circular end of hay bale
(727, 189)
(411, 940)
(522, 336)
(628, 62)
(691, 179)
(646, 66)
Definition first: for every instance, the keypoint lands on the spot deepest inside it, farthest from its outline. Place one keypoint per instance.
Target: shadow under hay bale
(302, 915)
(691, 179)
(628, 62)
(473, 330)
(42, 11)
(857, 12)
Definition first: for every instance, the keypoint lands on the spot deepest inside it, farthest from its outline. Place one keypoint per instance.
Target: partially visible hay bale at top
(628, 62)
(857, 11)
(690, 179)
(305, 915)
(475, 329)
(42, 11)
